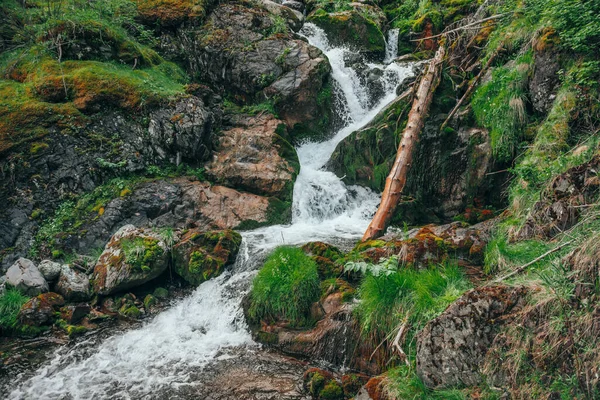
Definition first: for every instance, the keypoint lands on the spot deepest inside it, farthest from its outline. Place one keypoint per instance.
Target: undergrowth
(285, 288)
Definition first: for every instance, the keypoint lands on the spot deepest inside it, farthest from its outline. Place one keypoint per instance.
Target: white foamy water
(160, 356)
(391, 46)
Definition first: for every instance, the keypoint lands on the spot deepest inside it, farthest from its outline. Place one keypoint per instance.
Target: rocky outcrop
(249, 53)
(24, 276)
(73, 285)
(132, 257)
(40, 309)
(253, 156)
(452, 347)
(200, 256)
(448, 172)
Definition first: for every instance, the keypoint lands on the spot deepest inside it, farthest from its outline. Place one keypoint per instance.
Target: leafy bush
(285, 287)
(10, 304)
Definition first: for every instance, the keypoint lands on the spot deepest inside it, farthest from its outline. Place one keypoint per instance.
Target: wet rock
(253, 156)
(73, 285)
(132, 257)
(335, 338)
(200, 256)
(50, 270)
(24, 276)
(183, 131)
(73, 314)
(294, 5)
(294, 18)
(452, 347)
(40, 309)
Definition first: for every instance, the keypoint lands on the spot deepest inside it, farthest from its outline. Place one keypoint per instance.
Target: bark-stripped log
(396, 180)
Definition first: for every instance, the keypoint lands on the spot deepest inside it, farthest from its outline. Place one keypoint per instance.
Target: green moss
(130, 311)
(161, 293)
(141, 253)
(149, 301)
(332, 391)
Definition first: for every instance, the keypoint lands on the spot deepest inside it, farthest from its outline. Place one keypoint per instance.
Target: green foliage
(499, 105)
(10, 303)
(419, 294)
(279, 26)
(403, 383)
(501, 255)
(285, 287)
(576, 22)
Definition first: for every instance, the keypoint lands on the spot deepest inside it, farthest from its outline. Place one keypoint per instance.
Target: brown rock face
(251, 156)
(452, 347)
(40, 309)
(132, 257)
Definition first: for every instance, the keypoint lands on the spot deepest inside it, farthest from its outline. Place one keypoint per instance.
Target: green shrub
(403, 383)
(10, 304)
(285, 287)
(420, 294)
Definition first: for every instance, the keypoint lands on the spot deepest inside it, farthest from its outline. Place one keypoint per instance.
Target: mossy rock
(322, 385)
(200, 256)
(350, 28)
(132, 257)
(171, 13)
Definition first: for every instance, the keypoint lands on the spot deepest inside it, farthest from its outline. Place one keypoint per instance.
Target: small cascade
(391, 46)
(169, 352)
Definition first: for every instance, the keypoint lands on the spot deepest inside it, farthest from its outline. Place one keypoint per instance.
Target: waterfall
(169, 352)
(391, 46)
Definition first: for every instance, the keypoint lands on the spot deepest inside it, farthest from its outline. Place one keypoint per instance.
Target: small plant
(279, 26)
(286, 287)
(10, 304)
(385, 267)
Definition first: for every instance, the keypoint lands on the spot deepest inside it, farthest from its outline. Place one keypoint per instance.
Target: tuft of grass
(10, 304)
(403, 383)
(421, 295)
(499, 105)
(286, 287)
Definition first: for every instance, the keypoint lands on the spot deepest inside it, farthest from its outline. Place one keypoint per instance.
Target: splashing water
(167, 353)
(391, 46)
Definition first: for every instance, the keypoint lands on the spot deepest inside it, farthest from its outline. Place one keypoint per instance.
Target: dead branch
(396, 180)
(471, 87)
(461, 27)
(402, 330)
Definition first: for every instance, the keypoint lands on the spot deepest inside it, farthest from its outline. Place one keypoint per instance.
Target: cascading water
(391, 46)
(169, 352)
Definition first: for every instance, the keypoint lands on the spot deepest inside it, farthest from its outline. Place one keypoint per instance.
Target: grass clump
(10, 303)
(403, 383)
(499, 105)
(285, 288)
(388, 297)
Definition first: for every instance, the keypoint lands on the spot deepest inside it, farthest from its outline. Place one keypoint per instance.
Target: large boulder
(24, 276)
(73, 285)
(132, 257)
(40, 309)
(253, 156)
(451, 348)
(200, 256)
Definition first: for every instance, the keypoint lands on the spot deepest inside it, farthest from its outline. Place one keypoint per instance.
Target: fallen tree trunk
(396, 180)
